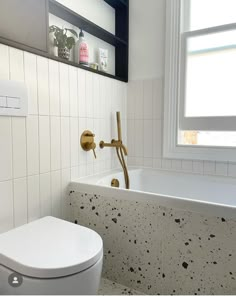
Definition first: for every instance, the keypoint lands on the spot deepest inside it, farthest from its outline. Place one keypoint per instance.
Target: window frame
(174, 76)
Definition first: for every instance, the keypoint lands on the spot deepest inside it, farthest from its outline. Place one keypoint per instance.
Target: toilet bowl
(50, 256)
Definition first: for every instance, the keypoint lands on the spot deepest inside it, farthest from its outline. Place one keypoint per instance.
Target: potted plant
(62, 41)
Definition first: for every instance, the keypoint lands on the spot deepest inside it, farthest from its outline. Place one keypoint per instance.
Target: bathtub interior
(215, 189)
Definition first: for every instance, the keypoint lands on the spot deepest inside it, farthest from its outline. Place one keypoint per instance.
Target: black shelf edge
(57, 59)
(77, 20)
(116, 3)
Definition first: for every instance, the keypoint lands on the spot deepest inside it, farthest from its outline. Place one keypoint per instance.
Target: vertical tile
(65, 142)
(45, 195)
(139, 138)
(56, 193)
(19, 146)
(138, 100)
(43, 85)
(33, 198)
(55, 123)
(221, 168)
(158, 98)
(82, 154)
(44, 144)
(157, 138)
(166, 164)
(64, 89)
(4, 62)
(65, 181)
(96, 97)
(74, 141)
(5, 149)
(16, 64)
(6, 211)
(198, 167)
(131, 137)
(148, 138)
(20, 202)
(176, 164)
(89, 95)
(30, 68)
(131, 100)
(147, 99)
(187, 165)
(73, 90)
(209, 167)
(32, 145)
(81, 93)
(232, 170)
(54, 88)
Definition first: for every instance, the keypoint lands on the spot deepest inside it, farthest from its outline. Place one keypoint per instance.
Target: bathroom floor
(108, 287)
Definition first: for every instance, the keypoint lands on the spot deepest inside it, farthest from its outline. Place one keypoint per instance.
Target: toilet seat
(50, 248)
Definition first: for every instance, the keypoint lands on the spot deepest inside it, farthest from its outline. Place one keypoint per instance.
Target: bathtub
(171, 233)
(211, 195)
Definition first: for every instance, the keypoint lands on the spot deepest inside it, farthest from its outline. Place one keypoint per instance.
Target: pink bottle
(83, 50)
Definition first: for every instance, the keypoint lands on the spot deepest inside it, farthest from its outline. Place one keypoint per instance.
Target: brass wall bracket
(87, 142)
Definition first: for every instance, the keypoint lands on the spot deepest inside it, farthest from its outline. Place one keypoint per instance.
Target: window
(200, 83)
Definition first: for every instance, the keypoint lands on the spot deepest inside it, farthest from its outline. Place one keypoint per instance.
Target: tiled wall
(40, 154)
(145, 133)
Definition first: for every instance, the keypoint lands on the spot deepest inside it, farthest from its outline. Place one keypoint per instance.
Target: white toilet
(50, 256)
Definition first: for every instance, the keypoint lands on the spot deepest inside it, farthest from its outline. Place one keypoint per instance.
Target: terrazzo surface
(158, 250)
(108, 287)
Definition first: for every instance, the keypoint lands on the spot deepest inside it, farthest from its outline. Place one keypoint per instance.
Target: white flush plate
(13, 98)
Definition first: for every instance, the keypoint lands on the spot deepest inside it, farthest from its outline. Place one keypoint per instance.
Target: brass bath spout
(121, 150)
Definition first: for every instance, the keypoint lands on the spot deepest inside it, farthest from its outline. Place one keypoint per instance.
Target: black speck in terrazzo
(135, 241)
(164, 214)
(223, 219)
(119, 215)
(214, 262)
(163, 275)
(139, 282)
(97, 214)
(212, 235)
(131, 269)
(186, 244)
(185, 265)
(114, 220)
(81, 208)
(93, 208)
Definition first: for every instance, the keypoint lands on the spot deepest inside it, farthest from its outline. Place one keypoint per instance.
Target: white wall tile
(147, 99)
(4, 62)
(6, 209)
(55, 125)
(89, 95)
(209, 167)
(82, 154)
(44, 144)
(232, 170)
(65, 142)
(32, 145)
(56, 193)
(138, 138)
(30, 68)
(81, 93)
(43, 86)
(19, 147)
(64, 89)
(221, 168)
(73, 90)
(138, 100)
(33, 198)
(20, 202)
(16, 64)
(166, 164)
(131, 100)
(148, 138)
(198, 166)
(65, 181)
(176, 164)
(157, 99)
(157, 138)
(5, 149)
(74, 141)
(187, 165)
(54, 88)
(96, 97)
(45, 195)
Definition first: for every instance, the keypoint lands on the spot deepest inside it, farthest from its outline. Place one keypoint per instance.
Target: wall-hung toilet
(50, 256)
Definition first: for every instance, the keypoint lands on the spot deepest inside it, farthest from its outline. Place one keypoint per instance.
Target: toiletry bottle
(83, 50)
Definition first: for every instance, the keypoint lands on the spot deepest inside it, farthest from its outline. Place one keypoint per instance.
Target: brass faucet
(121, 150)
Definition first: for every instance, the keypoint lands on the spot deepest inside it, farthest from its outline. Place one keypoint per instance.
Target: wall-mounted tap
(121, 150)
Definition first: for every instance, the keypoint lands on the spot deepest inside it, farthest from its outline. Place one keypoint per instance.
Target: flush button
(13, 103)
(3, 102)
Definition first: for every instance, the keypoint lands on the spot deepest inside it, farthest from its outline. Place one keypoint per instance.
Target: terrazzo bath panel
(155, 248)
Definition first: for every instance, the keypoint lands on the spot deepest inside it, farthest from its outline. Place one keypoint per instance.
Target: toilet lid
(50, 248)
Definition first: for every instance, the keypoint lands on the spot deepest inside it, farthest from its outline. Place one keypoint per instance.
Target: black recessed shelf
(119, 40)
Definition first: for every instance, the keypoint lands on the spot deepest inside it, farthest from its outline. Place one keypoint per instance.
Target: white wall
(41, 153)
(147, 39)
